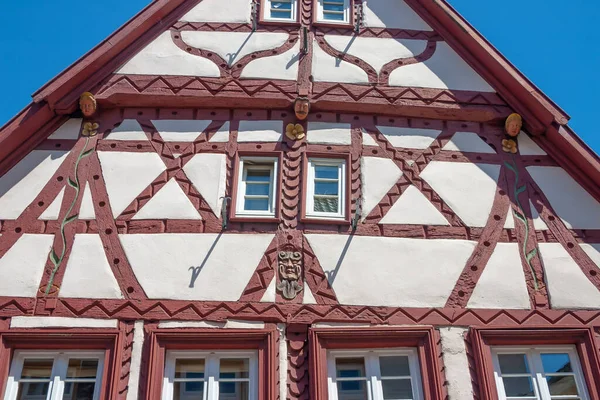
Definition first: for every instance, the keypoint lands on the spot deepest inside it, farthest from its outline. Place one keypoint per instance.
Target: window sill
(258, 219)
(330, 24)
(279, 22)
(310, 219)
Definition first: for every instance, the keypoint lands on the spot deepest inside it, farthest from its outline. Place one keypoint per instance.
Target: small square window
(213, 376)
(326, 188)
(538, 373)
(279, 10)
(257, 185)
(55, 375)
(334, 11)
(374, 374)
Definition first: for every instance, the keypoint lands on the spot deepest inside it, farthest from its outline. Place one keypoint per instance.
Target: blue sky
(553, 42)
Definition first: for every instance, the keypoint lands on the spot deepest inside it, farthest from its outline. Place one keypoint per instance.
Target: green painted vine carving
(89, 130)
(517, 190)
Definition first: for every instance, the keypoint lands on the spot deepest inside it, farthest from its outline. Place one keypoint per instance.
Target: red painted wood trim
(262, 340)
(423, 338)
(582, 338)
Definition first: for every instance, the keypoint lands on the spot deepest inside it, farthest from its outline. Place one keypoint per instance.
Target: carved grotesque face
(514, 124)
(301, 108)
(289, 265)
(88, 106)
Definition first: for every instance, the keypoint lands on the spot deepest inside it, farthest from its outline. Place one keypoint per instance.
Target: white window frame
(310, 188)
(271, 164)
(536, 369)
(60, 365)
(373, 371)
(321, 14)
(211, 371)
(267, 7)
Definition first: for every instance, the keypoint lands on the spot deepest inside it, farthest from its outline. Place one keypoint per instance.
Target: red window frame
(424, 339)
(483, 339)
(262, 340)
(111, 341)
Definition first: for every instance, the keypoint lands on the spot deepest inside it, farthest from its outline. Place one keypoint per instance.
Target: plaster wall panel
(367, 140)
(21, 185)
(510, 219)
(392, 14)
(593, 251)
(68, 131)
(172, 130)
(194, 266)
(308, 298)
(22, 266)
(538, 222)
(270, 295)
(169, 203)
(260, 131)
(129, 129)
(568, 287)
(86, 211)
(127, 175)
(444, 70)
(326, 68)
(468, 142)
(378, 177)
(414, 208)
(190, 324)
(409, 138)
(393, 272)
(62, 322)
(502, 283)
(527, 147)
(208, 173)
(468, 189)
(222, 135)
(52, 212)
(233, 46)
(572, 203)
(88, 274)
(282, 66)
(163, 57)
(328, 133)
(375, 51)
(237, 11)
(136, 361)
(241, 324)
(456, 364)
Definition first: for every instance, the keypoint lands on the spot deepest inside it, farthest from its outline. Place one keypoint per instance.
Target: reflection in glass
(184, 367)
(37, 368)
(397, 389)
(513, 363)
(82, 368)
(556, 362)
(326, 172)
(357, 390)
(518, 387)
(562, 385)
(233, 390)
(394, 366)
(79, 391)
(33, 391)
(236, 368)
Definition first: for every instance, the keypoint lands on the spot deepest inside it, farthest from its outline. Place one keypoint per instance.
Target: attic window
(334, 11)
(280, 10)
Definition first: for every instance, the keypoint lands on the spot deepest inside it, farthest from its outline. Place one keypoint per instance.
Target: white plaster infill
(52, 212)
(222, 135)
(270, 295)
(444, 70)
(282, 66)
(61, 322)
(527, 147)
(376, 51)
(392, 14)
(173, 130)
(233, 46)
(456, 363)
(163, 57)
(208, 173)
(229, 324)
(326, 68)
(378, 177)
(169, 203)
(129, 129)
(136, 361)
(260, 131)
(413, 208)
(468, 142)
(236, 11)
(409, 138)
(328, 133)
(68, 131)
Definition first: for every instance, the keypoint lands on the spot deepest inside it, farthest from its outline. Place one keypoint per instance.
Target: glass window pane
(233, 390)
(562, 385)
(82, 368)
(352, 390)
(258, 175)
(79, 391)
(333, 7)
(513, 363)
(326, 171)
(30, 390)
(355, 365)
(397, 389)
(281, 5)
(333, 17)
(326, 188)
(556, 363)
(394, 366)
(518, 387)
(326, 205)
(191, 368)
(256, 204)
(237, 368)
(37, 368)
(281, 14)
(188, 390)
(260, 189)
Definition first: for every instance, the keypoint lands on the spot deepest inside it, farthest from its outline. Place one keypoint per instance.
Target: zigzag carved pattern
(123, 385)
(382, 33)
(229, 27)
(306, 9)
(264, 274)
(315, 278)
(298, 379)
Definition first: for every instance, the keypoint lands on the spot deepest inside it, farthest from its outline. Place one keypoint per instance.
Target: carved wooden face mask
(301, 108)
(87, 103)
